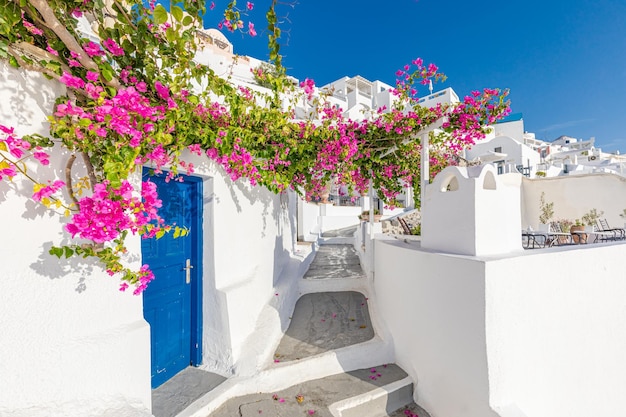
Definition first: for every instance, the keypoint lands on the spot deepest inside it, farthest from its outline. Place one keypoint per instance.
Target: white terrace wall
(538, 334)
(575, 195)
(521, 333)
(488, 226)
(434, 306)
(71, 343)
(555, 323)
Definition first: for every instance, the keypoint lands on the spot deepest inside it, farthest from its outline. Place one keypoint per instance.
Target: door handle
(187, 269)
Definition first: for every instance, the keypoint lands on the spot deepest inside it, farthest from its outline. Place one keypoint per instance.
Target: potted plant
(590, 218)
(577, 227)
(546, 211)
(365, 215)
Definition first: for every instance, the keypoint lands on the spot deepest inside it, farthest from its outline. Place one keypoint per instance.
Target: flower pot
(578, 237)
(366, 217)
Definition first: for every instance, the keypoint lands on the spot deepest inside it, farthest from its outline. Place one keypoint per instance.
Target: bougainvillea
(132, 100)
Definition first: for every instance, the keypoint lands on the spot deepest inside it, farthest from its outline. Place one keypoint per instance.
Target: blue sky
(564, 62)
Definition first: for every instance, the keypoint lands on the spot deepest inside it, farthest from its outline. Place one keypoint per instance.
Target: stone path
(323, 322)
(334, 262)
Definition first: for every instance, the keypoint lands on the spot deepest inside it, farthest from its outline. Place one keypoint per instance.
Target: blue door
(172, 300)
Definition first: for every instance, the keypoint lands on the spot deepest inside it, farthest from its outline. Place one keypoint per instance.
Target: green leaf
(177, 12)
(170, 34)
(58, 252)
(160, 15)
(188, 20)
(107, 74)
(68, 251)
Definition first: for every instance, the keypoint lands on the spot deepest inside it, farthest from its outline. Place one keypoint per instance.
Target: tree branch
(26, 65)
(40, 53)
(90, 171)
(68, 178)
(66, 37)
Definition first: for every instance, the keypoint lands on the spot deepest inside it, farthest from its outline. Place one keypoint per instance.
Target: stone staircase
(334, 360)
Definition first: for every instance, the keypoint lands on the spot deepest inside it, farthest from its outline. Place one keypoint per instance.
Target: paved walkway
(335, 261)
(321, 322)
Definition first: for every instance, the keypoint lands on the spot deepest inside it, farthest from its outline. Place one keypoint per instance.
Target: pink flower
(93, 49)
(52, 50)
(45, 191)
(251, 29)
(308, 85)
(92, 76)
(8, 171)
(162, 90)
(32, 28)
(42, 157)
(250, 5)
(71, 81)
(212, 6)
(113, 47)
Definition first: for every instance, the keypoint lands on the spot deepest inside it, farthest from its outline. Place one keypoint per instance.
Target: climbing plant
(133, 100)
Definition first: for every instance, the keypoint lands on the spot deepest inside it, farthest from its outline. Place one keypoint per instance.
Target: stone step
(325, 321)
(371, 392)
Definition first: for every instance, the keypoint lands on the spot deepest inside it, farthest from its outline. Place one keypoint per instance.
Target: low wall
(555, 332)
(537, 334)
(434, 306)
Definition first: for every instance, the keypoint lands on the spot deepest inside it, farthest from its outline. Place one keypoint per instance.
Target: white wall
(538, 334)
(472, 211)
(434, 306)
(575, 195)
(516, 152)
(249, 241)
(527, 333)
(555, 332)
(72, 344)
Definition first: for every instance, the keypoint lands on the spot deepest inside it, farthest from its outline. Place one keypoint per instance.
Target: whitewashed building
(482, 327)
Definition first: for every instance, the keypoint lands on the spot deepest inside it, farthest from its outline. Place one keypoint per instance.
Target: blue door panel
(168, 298)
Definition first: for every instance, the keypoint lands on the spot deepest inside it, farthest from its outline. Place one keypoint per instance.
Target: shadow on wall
(16, 85)
(49, 266)
(256, 195)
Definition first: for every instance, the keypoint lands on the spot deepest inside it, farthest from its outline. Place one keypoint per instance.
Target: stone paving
(323, 322)
(334, 262)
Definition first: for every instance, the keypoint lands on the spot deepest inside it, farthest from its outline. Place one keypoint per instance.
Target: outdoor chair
(532, 239)
(603, 235)
(618, 233)
(557, 236)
